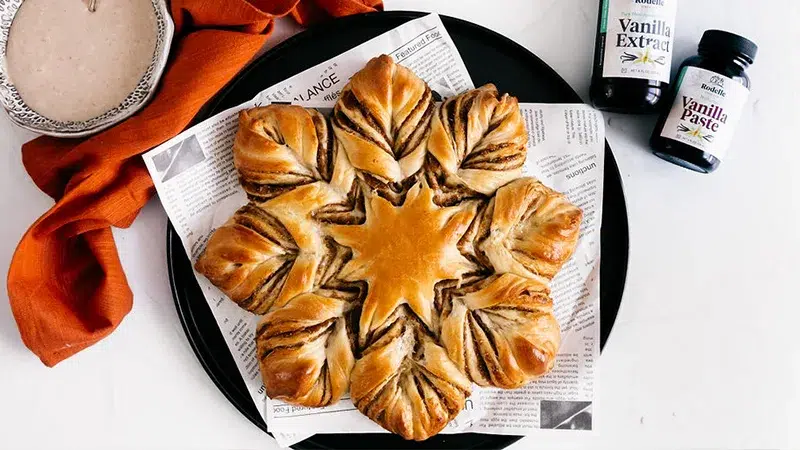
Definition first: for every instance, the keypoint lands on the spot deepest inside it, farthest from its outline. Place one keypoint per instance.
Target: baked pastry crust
(477, 144)
(501, 330)
(382, 120)
(394, 251)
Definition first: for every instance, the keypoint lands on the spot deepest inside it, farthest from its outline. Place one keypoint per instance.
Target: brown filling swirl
(352, 116)
(414, 129)
(499, 148)
(414, 400)
(351, 211)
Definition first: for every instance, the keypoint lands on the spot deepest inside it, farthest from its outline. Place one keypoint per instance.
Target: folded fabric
(66, 285)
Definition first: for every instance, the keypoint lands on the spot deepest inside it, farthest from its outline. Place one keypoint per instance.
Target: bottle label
(706, 110)
(639, 38)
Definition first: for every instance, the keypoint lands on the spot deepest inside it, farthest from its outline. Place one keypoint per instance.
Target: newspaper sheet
(199, 189)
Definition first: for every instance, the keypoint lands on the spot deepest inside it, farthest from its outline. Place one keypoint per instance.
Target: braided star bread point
(476, 144)
(382, 120)
(501, 330)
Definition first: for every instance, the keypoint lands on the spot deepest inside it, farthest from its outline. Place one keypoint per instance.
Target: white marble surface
(702, 354)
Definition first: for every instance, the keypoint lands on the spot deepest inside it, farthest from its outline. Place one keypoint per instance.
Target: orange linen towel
(66, 286)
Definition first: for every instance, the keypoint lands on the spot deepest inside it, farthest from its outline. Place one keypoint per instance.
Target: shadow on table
(8, 328)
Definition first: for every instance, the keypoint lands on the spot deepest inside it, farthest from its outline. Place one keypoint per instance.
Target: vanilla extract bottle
(633, 55)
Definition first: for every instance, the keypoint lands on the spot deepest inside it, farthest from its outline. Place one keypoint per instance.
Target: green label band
(681, 76)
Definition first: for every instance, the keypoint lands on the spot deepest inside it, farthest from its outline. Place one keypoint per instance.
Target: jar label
(639, 38)
(706, 110)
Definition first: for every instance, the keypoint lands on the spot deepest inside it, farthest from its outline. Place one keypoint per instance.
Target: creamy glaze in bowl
(27, 117)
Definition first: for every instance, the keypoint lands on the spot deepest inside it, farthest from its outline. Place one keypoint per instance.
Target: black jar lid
(719, 41)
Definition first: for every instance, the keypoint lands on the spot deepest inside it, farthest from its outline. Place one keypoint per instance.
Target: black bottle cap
(718, 41)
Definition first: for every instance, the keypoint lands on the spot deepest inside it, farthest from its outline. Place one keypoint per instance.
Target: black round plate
(490, 58)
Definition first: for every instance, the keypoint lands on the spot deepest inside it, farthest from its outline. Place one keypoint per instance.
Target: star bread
(392, 249)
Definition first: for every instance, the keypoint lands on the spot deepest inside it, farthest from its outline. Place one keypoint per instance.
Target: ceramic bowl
(27, 118)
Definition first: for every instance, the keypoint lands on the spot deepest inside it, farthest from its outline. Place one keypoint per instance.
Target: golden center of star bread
(402, 252)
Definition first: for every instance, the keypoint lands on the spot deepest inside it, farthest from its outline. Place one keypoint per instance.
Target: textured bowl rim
(15, 106)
